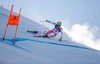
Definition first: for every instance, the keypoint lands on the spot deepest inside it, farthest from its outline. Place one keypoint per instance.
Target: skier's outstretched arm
(51, 22)
(61, 36)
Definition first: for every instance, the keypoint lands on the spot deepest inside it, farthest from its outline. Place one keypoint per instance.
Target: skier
(51, 33)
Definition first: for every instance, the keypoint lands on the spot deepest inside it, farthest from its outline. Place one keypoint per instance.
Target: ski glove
(46, 20)
(60, 39)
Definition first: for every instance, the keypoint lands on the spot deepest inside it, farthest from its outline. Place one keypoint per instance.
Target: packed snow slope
(30, 50)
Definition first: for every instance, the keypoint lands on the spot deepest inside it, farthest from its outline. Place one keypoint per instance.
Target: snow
(30, 50)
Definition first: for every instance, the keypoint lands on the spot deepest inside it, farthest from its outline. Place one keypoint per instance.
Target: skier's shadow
(9, 42)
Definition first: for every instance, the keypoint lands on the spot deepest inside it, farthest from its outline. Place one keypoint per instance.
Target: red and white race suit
(56, 30)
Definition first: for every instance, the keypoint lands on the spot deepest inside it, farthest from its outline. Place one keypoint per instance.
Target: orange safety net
(13, 20)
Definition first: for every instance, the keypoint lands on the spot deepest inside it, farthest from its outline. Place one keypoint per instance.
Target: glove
(46, 20)
(60, 39)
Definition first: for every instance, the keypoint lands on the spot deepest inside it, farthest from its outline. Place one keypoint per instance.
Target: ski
(43, 36)
(33, 32)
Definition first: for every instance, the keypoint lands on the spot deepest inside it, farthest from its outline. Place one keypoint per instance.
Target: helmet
(59, 23)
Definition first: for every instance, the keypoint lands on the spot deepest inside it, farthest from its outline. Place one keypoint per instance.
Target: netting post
(7, 23)
(15, 35)
(5, 32)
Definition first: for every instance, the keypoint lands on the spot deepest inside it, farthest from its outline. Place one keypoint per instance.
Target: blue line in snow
(54, 43)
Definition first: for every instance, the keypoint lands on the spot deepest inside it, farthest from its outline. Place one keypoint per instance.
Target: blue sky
(71, 11)
(74, 14)
(75, 10)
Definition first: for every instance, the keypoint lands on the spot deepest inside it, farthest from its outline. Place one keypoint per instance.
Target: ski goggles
(58, 25)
